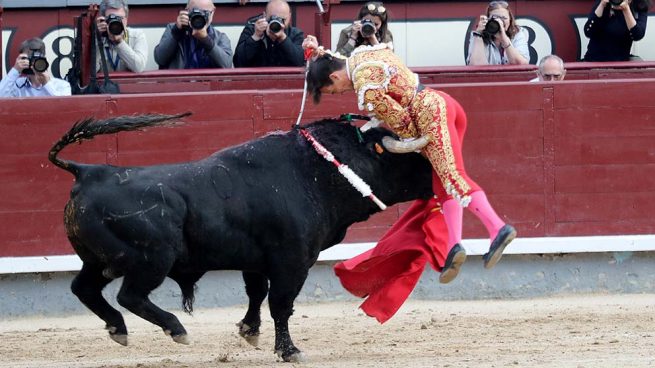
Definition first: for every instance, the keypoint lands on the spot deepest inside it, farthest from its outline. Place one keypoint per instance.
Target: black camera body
(615, 2)
(38, 62)
(368, 28)
(198, 18)
(492, 27)
(115, 24)
(275, 23)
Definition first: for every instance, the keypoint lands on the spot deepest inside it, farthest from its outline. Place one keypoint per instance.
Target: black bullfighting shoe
(454, 261)
(506, 234)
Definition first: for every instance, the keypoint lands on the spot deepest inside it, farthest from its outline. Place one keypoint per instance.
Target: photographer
(125, 48)
(373, 17)
(191, 42)
(30, 76)
(612, 26)
(497, 39)
(270, 40)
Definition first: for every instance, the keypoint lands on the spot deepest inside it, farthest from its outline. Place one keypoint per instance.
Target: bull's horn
(397, 146)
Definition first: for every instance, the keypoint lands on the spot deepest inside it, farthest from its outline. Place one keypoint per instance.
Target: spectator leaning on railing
(497, 38)
(30, 76)
(612, 26)
(370, 28)
(191, 42)
(125, 48)
(551, 68)
(268, 39)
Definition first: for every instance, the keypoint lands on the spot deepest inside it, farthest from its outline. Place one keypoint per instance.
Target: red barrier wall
(291, 78)
(573, 158)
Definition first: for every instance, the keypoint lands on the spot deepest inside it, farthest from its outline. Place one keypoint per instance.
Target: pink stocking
(481, 208)
(453, 214)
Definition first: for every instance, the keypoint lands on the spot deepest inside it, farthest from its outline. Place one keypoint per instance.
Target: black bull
(267, 207)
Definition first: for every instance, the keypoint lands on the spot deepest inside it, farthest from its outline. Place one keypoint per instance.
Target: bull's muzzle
(398, 146)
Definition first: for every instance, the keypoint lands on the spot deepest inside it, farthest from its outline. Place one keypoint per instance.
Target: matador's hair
(318, 75)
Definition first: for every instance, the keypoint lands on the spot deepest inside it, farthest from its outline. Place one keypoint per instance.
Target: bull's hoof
(245, 331)
(182, 339)
(119, 338)
(295, 357)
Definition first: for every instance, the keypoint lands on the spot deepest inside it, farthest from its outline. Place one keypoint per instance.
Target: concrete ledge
(516, 276)
(620, 243)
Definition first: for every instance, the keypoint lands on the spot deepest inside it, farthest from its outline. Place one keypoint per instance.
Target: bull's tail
(89, 128)
(187, 282)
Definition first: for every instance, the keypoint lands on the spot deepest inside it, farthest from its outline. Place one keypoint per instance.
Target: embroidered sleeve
(370, 81)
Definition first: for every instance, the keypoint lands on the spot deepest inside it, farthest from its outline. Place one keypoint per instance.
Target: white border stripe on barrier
(578, 244)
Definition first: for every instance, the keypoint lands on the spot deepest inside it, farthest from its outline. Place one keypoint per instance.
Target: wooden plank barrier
(573, 158)
(289, 78)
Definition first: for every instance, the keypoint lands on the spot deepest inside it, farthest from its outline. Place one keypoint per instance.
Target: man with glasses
(125, 48)
(191, 42)
(30, 76)
(268, 39)
(551, 68)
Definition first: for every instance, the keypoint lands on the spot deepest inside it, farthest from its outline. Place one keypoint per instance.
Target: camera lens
(197, 21)
(275, 26)
(116, 28)
(492, 27)
(115, 24)
(616, 2)
(368, 28)
(198, 18)
(40, 65)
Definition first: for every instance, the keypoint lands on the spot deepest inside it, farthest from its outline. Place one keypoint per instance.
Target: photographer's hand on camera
(182, 20)
(624, 6)
(261, 26)
(278, 37)
(200, 33)
(101, 24)
(357, 27)
(482, 23)
(22, 63)
(41, 78)
(502, 37)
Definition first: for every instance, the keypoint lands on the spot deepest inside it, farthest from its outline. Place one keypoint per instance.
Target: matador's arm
(370, 81)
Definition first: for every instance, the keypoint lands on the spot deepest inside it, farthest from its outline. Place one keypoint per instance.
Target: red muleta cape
(387, 274)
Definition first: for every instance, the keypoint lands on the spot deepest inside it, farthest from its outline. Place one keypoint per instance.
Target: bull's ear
(378, 148)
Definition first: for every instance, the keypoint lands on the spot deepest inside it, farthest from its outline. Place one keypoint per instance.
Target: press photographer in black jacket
(269, 39)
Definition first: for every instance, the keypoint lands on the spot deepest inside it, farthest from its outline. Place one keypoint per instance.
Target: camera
(38, 62)
(275, 23)
(198, 18)
(368, 28)
(616, 2)
(115, 24)
(492, 27)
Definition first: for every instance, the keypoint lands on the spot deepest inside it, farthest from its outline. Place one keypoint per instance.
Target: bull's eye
(378, 149)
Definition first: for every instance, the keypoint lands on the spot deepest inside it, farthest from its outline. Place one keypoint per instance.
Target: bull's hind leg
(136, 287)
(87, 286)
(285, 286)
(257, 289)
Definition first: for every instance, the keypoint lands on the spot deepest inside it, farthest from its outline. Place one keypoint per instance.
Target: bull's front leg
(285, 286)
(257, 289)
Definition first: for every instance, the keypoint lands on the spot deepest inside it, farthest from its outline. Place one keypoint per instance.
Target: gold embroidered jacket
(385, 86)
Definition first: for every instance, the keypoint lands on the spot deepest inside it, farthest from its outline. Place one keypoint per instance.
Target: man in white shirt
(124, 48)
(30, 76)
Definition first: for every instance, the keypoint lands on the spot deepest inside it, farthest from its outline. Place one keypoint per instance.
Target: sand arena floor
(573, 331)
